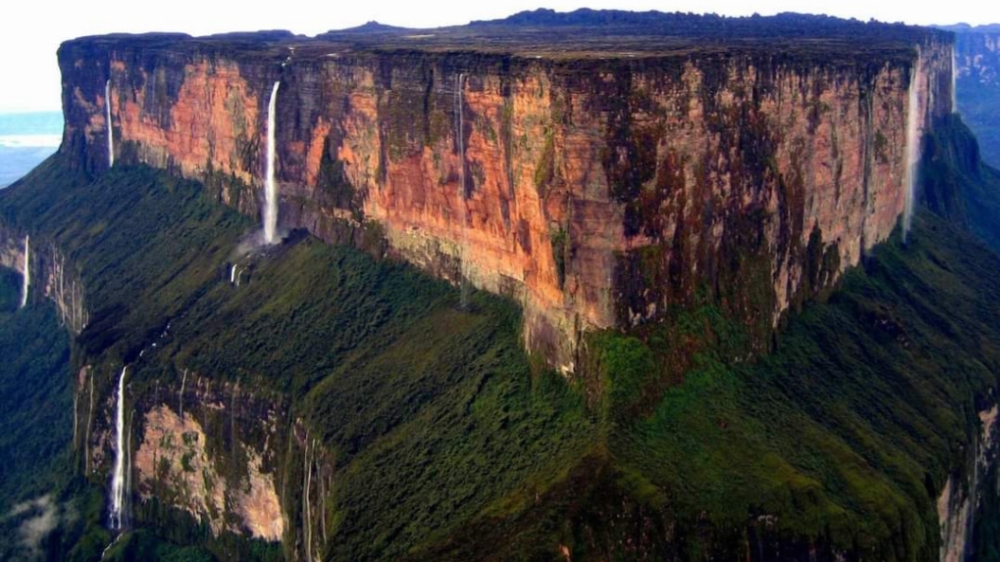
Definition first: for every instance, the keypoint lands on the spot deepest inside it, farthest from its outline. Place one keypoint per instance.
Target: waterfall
(913, 131)
(271, 193)
(118, 476)
(954, 80)
(107, 118)
(26, 278)
(460, 136)
(232, 274)
(180, 395)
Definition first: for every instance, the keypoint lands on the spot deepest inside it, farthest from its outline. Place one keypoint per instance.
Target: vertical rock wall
(597, 191)
(51, 276)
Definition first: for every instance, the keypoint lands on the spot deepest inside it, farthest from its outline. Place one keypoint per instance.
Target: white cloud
(43, 518)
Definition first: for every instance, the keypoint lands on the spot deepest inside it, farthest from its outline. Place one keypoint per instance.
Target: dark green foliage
(987, 525)
(431, 414)
(545, 169)
(166, 531)
(561, 252)
(334, 184)
(443, 442)
(486, 443)
(838, 441)
(144, 545)
(35, 395)
(864, 398)
(36, 424)
(10, 290)
(107, 231)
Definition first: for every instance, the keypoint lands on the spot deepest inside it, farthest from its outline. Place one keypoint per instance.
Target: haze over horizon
(29, 36)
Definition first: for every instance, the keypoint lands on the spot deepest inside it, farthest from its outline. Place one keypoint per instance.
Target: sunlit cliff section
(596, 175)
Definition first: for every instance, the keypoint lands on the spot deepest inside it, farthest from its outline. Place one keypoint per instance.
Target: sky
(31, 30)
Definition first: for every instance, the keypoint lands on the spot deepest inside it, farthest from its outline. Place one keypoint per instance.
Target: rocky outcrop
(962, 497)
(174, 460)
(595, 188)
(211, 450)
(51, 276)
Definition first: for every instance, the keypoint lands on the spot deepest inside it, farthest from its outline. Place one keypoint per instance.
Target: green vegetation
(561, 252)
(864, 400)
(35, 398)
(443, 441)
(839, 439)
(545, 169)
(430, 414)
(955, 182)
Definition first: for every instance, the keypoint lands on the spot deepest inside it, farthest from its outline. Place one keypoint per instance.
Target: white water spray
(118, 476)
(460, 135)
(26, 278)
(107, 119)
(271, 193)
(912, 146)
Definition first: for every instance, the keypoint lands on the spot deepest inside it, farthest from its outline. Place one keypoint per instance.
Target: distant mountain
(372, 27)
(966, 28)
(977, 52)
(787, 24)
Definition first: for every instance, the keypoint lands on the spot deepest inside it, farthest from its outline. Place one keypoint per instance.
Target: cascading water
(26, 278)
(912, 146)
(107, 119)
(271, 189)
(118, 476)
(460, 136)
(954, 80)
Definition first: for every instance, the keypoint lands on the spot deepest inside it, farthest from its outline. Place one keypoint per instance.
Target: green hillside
(448, 442)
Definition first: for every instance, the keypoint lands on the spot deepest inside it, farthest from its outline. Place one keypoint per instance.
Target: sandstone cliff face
(962, 497)
(51, 276)
(597, 192)
(174, 462)
(211, 450)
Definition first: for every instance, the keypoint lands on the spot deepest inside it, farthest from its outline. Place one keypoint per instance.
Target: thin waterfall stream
(271, 188)
(26, 278)
(107, 119)
(118, 475)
